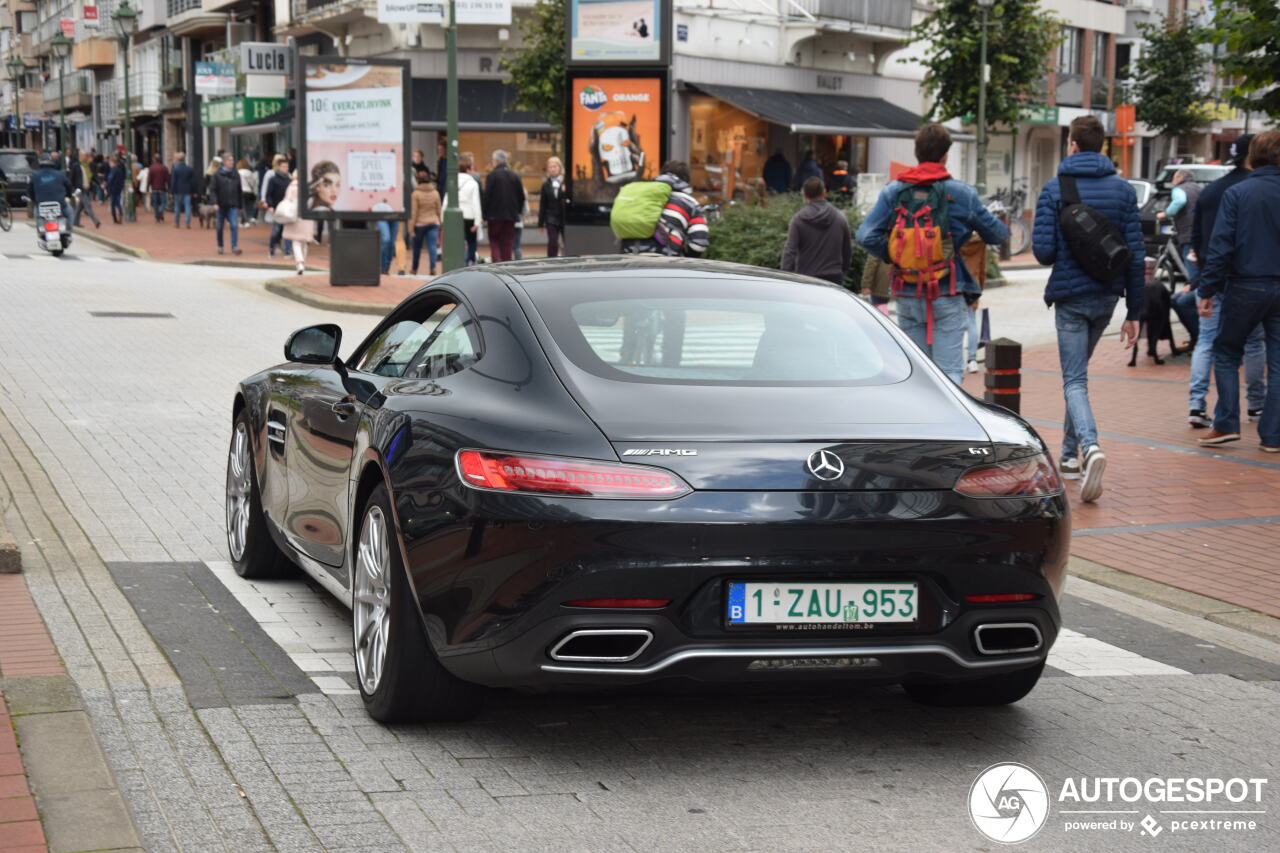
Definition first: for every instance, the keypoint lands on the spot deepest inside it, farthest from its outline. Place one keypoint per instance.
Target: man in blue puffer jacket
(1084, 306)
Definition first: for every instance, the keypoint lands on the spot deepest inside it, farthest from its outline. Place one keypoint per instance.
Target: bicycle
(6, 213)
(1010, 201)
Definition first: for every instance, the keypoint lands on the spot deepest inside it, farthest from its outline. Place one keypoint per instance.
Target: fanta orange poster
(617, 126)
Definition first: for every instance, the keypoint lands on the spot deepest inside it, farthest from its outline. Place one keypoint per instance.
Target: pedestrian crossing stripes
(712, 345)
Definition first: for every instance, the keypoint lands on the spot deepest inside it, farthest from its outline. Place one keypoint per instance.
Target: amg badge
(659, 451)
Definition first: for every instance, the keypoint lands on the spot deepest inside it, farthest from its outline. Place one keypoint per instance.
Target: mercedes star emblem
(825, 465)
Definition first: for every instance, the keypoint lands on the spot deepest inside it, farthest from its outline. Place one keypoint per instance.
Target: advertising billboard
(355, 138)
(616, 129)
(613, 32)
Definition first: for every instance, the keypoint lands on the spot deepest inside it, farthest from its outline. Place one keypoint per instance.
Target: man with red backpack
(918, 224)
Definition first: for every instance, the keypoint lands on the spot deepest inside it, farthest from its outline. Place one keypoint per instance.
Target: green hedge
(748, 234)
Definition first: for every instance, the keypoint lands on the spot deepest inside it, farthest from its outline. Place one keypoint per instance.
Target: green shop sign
(1038, 114)
(236, 111)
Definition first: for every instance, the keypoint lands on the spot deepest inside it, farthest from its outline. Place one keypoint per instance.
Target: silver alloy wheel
(238, 492)
(371, 602)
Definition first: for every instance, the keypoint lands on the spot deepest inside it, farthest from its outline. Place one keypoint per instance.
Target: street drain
(145, 315)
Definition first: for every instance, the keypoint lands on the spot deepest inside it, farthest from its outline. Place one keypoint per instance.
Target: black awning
(807, 112)
(267, 124)
(482, 105)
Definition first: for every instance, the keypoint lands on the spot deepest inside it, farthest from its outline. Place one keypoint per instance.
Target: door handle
(344, 408)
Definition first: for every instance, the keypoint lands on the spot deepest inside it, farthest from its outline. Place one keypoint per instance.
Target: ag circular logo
(1008, 803)
(593, 97)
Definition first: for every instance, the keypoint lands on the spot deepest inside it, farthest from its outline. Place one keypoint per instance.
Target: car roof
(531, 272)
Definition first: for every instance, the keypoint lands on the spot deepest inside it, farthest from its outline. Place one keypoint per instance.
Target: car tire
(408, 684)
(1003, 689)
(254, 554)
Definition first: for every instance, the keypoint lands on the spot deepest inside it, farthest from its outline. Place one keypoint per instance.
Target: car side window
(453, 347)
(395, 346)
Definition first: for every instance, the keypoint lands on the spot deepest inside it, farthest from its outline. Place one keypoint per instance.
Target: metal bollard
(1003, 379)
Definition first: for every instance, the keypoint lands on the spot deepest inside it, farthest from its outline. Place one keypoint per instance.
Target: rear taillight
(51, 226)
(1001, 598)
(553, 475)
(1029, 477)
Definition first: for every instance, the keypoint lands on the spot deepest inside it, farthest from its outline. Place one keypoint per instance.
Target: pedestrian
(471, 203)
(517, 247)
(207, 190)
(818, 240)
(777, 173)
(424, 219)
(681, 228)
(144, 185)
(419, 166)
(82, 180)
(1182, 207)
(297, 232)
(809, 168)
(877, 282)
(442, 165)
(248, 192)
(1243, 263)
(158, 182)
(387, 231)
(182, 183)
(974, 254)
(1255, 356)
(115, 188)
(100, 169)
(843, 184)
(1083, 304)
(293, 162)
(277, 185)
(225, 195)
(503, 204)
(933, 292)
(551, 203)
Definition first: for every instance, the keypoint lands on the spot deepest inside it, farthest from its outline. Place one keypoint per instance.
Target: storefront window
(727, 149)
(527, 154)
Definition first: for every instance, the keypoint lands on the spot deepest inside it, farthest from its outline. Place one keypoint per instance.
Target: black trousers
(554, 233)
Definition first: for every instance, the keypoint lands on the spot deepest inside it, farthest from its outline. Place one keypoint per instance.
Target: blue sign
(682, 32)
(31, 123)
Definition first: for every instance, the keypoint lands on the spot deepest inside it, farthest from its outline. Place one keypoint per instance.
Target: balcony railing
(51, 26)
(881, 13)
(1098, 95)
(178, 7)
(105, 28)
(302, 7)
(1070, 90)
(75, 85)
(108, 105)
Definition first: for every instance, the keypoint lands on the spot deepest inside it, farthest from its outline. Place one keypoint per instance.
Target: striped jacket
(681, 229)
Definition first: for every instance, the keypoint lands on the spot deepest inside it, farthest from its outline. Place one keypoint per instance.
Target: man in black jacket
(503, 205)
(224, 192)
(277, 186)
(818, 240)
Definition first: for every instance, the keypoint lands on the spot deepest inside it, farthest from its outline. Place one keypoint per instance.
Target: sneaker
(1215, 437)
(220, 250)
(1095, 463)
(1255, 415)
(971, 367)
(1267, 448)
(1069, 468)
(1199, 418)
(235, 251)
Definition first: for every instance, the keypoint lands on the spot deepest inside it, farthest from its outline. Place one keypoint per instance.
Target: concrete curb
(123, 248)
(282, 287)
(76, 794)
(10, 553)
(1210, 609)
(143, 254)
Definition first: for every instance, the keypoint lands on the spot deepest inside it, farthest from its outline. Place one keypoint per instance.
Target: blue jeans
(1244, 306)
(425, 234)
(230, 215)
(181, 202)
(387, 237)
(1080, 322)
(971, 331)
(1186, 306)
(1255, 361)
(947, 350)
(158, 200)
(1193, 272)
(277, 235)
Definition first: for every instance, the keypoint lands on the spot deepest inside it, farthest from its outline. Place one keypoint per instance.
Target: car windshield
(17, 164)
(710, 331)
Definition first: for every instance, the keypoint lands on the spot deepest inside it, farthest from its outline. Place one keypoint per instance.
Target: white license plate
(780, 603)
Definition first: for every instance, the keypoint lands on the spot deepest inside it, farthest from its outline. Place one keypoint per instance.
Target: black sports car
(598, 472)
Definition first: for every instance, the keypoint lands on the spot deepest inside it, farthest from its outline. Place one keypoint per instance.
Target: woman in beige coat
(300, 231)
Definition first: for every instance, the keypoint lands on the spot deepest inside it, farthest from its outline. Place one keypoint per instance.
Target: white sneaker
(971, 367)
(1095, 463)
(1069, 468)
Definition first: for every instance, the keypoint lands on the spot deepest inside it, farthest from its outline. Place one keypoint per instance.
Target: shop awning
(809, 112)
(266, 124)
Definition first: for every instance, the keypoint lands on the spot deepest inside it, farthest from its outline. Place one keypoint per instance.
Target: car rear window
(17, 164)
(718, 331)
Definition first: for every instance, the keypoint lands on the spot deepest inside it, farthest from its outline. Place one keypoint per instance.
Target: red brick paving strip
(1151, 484)
(20, 828)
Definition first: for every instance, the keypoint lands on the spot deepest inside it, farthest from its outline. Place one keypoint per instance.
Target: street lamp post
(62, 49)
(126, 22)
(454, 242)
(982, 100)
(17, 68)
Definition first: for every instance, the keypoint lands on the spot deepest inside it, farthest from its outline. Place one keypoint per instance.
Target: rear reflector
(487, 469)
(1000, 598)
(629, 603)
(1029, 477)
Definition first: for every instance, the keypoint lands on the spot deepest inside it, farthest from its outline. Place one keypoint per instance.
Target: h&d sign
(264, 58)
(235, 111)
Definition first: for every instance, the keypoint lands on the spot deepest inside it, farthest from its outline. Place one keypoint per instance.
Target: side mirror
(314, 344)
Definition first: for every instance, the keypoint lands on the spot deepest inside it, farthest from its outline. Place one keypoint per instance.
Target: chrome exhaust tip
(1007, 638)
(601, 645)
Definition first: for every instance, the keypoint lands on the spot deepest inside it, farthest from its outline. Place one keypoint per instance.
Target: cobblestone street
(228, 717)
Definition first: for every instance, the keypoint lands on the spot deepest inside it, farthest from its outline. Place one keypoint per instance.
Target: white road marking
(1076, 654)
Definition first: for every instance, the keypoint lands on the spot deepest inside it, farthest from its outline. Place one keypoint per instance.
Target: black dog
(1155, 316)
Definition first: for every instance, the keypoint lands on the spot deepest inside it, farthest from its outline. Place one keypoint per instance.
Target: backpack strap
(1070, 192)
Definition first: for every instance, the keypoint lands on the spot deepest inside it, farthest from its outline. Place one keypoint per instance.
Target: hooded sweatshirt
(818, 241)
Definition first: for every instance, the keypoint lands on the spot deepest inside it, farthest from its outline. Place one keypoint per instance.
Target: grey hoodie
(818, 242)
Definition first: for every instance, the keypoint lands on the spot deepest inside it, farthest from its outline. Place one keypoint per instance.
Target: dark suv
(17, 165)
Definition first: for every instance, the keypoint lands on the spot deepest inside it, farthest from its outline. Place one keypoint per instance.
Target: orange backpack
(920, 245)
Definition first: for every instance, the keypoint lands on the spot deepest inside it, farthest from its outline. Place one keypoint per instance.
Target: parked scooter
(53, 229)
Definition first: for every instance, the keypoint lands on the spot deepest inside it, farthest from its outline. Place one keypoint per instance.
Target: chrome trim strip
(602, 632)
(977, 637)
(850, 651)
